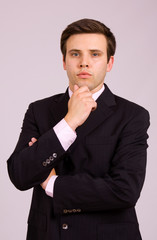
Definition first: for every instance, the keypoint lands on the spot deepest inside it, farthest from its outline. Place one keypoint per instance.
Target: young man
(84, 151)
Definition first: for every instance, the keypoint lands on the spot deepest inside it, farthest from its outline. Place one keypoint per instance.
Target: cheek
(70, 66)
(100, 68)
(70, 71)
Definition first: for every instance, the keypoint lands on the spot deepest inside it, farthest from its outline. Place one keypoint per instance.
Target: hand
(44, 184)
(80, 106)
(33, 140)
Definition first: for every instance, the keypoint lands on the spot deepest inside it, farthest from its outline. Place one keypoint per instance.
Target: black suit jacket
(100, 176)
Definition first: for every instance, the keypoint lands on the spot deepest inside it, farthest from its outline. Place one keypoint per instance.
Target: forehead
(86, 41)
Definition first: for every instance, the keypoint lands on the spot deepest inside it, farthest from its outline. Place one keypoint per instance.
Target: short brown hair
(88, 26)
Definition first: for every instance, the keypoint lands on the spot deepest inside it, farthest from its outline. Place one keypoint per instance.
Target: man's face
(86, 60)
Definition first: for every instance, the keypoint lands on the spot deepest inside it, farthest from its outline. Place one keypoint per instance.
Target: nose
(83, 65)
(84, 61)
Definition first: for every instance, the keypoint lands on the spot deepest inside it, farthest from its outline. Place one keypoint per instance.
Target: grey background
(31, 69)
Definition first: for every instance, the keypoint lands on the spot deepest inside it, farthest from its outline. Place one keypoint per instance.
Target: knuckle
(86, 88)
(79, 95)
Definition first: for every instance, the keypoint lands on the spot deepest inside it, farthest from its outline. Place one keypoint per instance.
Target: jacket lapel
(105, 107)
(60, 106)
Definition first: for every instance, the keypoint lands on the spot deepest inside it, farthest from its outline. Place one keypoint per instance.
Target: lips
(84, 75)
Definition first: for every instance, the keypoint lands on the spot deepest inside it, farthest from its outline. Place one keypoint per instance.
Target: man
(83, 152)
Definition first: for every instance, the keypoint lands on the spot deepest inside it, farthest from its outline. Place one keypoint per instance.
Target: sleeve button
(48, 161)
(44, 164)
(51, 158)
(54, 155)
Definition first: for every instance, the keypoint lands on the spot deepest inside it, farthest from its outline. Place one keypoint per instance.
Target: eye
(75, 54)
(95, 54)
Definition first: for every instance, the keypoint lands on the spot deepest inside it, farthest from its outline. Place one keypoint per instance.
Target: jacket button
(65, 226)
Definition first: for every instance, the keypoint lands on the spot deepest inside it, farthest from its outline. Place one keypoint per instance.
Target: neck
(97, 88)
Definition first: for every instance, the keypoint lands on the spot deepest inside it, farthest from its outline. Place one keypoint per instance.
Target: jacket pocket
(119, 231)
(37, 219)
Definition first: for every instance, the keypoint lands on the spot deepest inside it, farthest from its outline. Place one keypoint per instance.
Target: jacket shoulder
(43, 106)
(128, 105)
(48, 100)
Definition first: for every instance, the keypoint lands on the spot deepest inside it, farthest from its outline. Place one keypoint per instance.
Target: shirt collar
(94, 96)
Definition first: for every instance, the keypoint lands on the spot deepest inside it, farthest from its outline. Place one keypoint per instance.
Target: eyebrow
(91, 50)
(74, 50)
(96, 50)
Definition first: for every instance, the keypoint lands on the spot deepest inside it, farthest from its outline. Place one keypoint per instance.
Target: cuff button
(48, 161)
(44, 164)
(54, 155)
(51, 158)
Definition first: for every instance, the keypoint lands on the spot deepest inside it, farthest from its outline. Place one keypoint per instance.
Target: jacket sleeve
(30, 166)
(120, 187)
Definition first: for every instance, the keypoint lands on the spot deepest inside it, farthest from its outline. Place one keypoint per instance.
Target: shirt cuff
(65, 134)
(50, 186)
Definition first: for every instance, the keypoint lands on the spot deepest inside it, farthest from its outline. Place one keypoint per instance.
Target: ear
(110, 64)
(64, 64)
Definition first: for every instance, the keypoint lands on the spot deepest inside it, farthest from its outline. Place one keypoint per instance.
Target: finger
(95, 107)
(30, 144)
(92, 103)
(75, 87)
(83, 89)
(86, 94)
(33, 139)
(87, 98)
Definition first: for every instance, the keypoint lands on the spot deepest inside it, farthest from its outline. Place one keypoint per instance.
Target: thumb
(75, 87)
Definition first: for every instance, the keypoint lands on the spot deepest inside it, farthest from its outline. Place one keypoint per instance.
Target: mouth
(84, 75)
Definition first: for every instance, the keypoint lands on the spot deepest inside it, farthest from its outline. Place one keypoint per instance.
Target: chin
(82, 84)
